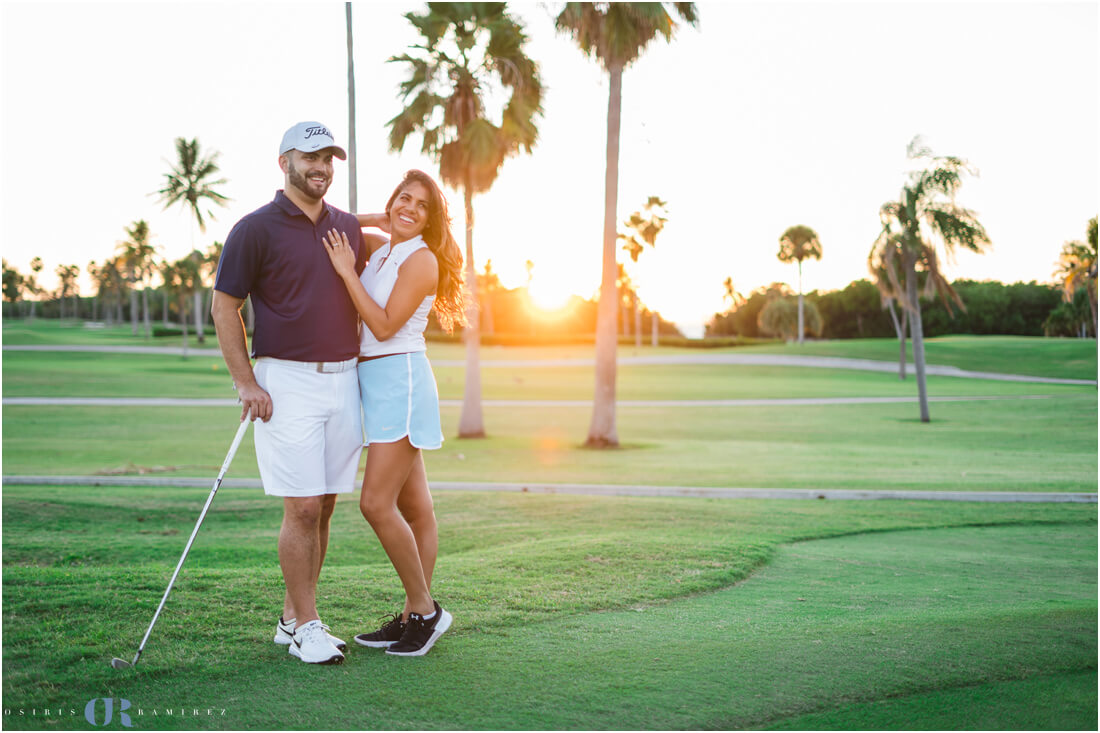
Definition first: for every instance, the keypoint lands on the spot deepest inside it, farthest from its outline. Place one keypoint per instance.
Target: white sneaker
(284, 634)
(311, 644)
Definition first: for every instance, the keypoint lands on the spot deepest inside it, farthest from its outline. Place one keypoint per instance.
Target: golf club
(122, 663)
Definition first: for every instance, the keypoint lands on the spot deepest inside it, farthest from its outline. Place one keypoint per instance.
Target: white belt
(322, 367)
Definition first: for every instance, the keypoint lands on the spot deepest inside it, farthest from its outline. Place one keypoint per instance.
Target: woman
(419, 268)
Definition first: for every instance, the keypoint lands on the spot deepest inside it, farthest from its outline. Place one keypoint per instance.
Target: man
(303, 392)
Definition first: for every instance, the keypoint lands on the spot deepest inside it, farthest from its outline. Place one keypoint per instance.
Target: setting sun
(549, 295)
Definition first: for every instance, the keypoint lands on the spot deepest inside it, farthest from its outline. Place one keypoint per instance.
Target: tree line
(857, 311)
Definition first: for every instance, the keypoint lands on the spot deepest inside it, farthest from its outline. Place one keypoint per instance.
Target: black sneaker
(420, 635)
(390, 633)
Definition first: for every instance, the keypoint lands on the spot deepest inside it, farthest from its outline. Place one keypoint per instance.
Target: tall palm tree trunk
(900, 328)
(145, 313)
(470, 422)
(196, 306)
(801, 322)
(134, 312)
(917, 331)
(183, 322)
(637, 323)
(601, 431)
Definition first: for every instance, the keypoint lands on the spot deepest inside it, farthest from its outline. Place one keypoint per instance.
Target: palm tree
(889, 294)
(208, 270)
(171, 277)
(31, 285)
(137, 260)
(615, 34)
(488, 283)
(13, 286)
(113, 277)
(780, 318)
(188, 184)
(183, 278)
(95, 272)
(67, 275)
(643, 231)
(624, 287)
(1077, 269)
(106, 280)
(799, 243)
(470, 53)
(924, 218)
(167, 274)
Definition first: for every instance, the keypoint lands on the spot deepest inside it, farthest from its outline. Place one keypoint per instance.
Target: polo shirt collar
(291, 209)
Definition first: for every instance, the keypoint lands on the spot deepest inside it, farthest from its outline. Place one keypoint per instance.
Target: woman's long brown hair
(449, 302)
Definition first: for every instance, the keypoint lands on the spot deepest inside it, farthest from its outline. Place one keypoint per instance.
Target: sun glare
(548, 295)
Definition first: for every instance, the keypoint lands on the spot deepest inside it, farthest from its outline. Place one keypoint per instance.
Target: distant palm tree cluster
(131, 271)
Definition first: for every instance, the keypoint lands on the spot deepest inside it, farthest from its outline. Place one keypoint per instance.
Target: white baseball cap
(309, 137)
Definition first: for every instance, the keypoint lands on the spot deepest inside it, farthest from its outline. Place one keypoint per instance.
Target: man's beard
(304, 185)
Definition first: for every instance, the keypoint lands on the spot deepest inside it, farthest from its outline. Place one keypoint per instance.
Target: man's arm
(226, 313)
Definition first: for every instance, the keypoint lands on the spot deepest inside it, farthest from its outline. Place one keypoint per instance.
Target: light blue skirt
(400, 399)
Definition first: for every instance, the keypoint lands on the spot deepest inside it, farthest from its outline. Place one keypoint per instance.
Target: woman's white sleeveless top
(378, 278)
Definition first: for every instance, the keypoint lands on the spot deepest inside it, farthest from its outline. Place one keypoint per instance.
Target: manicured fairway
(1064, 358)
(54, 374)
(1000, 445)
(577, 612)
(573, 612)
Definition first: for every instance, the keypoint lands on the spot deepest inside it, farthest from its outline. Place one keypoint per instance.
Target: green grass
(998, 445)
(636, 613)
(1058, 701)
(577, 612)
(49, 374)
(1063, 358)
(52, 332)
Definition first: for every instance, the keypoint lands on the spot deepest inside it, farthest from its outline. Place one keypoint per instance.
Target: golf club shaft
(217, 482)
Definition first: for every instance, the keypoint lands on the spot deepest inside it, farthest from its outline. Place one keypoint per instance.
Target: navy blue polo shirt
(303, 311)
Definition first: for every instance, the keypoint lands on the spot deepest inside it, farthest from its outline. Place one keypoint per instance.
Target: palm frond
(799, 243)
(465, 51)
(188, 181)
(957, 227)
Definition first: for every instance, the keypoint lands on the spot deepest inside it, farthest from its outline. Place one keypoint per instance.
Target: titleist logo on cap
(318, 130)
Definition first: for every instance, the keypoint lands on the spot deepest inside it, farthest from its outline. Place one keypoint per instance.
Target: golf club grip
(209, 500)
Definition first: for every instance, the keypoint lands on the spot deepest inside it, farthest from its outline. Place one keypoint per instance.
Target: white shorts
(312, 442)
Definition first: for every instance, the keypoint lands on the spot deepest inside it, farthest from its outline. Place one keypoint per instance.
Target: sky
(764, 116)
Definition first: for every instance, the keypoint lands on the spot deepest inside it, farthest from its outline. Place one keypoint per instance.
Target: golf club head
(120, 663)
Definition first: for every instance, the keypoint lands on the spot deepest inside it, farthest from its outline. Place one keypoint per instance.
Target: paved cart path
(822, 362)
(700, 492)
